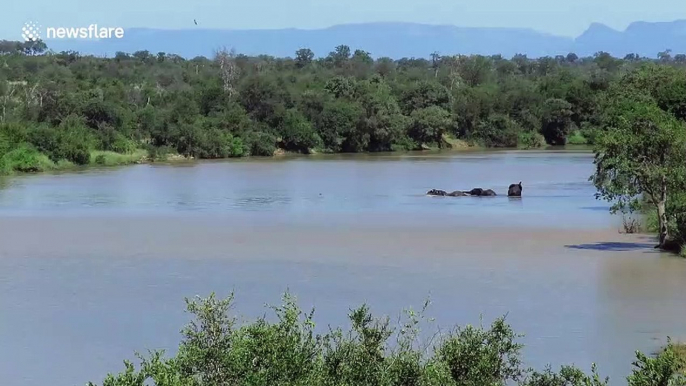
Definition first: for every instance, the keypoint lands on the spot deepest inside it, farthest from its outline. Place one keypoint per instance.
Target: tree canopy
(641, 151)
(66, 105)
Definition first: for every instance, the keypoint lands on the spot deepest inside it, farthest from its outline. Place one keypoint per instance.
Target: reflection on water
(95, 265)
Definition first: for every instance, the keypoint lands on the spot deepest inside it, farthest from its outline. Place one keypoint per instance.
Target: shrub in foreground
(217, 350)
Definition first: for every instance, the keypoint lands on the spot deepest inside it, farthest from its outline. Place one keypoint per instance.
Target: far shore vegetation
(58, 108)
(288, 348)
(61, 110)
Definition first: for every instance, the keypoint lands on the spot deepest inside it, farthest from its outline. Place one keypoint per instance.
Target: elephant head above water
(515, 190)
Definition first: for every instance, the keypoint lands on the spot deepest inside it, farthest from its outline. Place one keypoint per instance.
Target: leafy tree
(556, 121)
(34, 47)
(303, 57)
(424, 94)
(497, 131)
(429, 124)
(341, 86)
(337, 122)
(340, 55)
(234, 104)
(641, 152)
(297, 132)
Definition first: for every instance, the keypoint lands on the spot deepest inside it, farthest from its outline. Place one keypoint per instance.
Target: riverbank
(26, 160)
(32, 162)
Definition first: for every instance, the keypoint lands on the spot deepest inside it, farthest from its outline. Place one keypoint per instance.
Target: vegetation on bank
(286, 350)
(66, 105)
(641, 147)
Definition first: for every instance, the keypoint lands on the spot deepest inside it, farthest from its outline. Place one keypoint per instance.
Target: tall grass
(110, 158)
(577, 138)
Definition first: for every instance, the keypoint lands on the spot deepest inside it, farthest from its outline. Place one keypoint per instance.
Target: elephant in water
(482, 192)
(476, 192)
(436, 192)
(515, 190)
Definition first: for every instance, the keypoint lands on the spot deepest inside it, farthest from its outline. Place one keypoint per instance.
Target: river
(94, 265)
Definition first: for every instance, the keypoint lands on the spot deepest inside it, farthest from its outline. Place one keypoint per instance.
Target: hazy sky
(567, 17)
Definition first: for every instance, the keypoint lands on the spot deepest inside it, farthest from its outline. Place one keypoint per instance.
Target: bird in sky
(196, 23)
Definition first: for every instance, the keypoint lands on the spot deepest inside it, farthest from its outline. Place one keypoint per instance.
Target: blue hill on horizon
(393, 39)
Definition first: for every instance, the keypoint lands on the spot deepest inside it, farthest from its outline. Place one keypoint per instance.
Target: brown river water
(95, 265)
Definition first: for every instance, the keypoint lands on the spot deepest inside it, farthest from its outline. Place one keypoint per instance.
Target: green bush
(221, 144)
(297, 133)
(475, 356)
(429, 124)
(497, 131)
(262, 144)
(216, 349)
(12, 134)
(568, 376)
(577, 138)
(664, 369)
(117, 142)
(27, 159)
(530, 140)
(589, 132)
(72, 141)
(337, 121)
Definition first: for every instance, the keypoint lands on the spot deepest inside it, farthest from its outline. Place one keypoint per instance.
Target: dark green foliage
(429, 124)
(287, 350)
(297, 133)
(26, 159)
(497, 131)
(234, 105)
(424, 94)
(568, 376)
(262, 144)
(476, 356)
(640, 154)
(530, 140)
(71, 141)
(337, 121)
(662, 370)
(556, 121)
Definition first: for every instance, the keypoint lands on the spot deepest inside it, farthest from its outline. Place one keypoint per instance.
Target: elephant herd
(515, 190)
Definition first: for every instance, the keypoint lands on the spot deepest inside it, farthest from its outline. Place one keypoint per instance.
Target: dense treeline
(287, 351)
(63, 107)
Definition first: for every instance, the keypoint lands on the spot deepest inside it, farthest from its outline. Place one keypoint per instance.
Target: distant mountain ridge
(395, 40)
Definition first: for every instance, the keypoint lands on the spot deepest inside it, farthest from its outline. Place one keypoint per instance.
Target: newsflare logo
(32, 31)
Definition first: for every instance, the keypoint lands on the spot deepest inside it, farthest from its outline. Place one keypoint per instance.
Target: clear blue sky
(562, 17)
